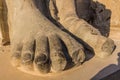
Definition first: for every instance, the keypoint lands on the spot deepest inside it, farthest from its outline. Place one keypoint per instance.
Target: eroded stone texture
(96, 14)
(108, 17)
(114, 6)
(3, 23)
(39, 46)
(80, 28)
(101, 18)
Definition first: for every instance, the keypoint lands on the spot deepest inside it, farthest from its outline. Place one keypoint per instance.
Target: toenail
(42, 58)
(27, 57)
(108, 46)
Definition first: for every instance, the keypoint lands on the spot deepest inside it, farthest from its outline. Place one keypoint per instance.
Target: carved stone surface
(4, 30)
(114, 6)
(49, 37)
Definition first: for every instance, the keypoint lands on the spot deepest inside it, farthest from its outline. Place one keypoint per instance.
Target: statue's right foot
(68, 18)
(101, 45)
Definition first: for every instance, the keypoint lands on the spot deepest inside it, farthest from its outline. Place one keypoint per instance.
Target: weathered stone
(38, 45)
(4, 30)
(41, 43)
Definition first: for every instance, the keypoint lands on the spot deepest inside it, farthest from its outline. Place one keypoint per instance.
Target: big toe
(106, 48)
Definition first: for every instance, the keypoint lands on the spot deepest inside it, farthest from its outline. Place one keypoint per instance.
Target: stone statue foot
(38, 46)
(101, 45)
(68, 18)
(45, 52)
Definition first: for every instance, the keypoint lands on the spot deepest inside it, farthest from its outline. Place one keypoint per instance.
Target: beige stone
(39, 46)
(114, 6)
(4, 30)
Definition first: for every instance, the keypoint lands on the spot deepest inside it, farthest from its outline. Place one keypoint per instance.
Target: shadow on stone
(109, 73)
(44, 8)
(96, 14)
(93, 12)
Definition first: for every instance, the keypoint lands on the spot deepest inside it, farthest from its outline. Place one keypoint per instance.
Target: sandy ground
(93, 69)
